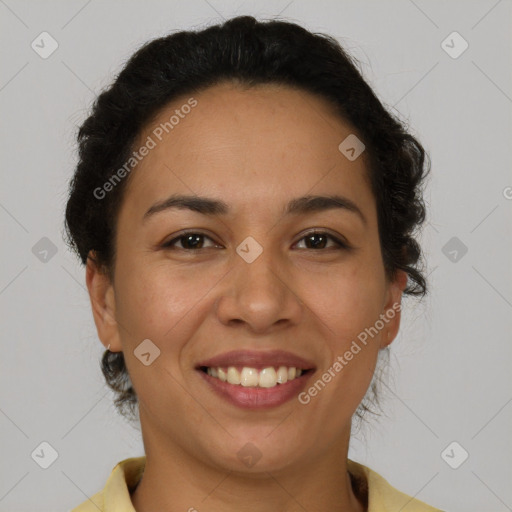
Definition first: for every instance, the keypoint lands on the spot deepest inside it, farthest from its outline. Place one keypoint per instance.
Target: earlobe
(393, 307)
(102, 297)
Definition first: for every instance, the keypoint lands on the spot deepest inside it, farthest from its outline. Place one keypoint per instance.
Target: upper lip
(257, 359)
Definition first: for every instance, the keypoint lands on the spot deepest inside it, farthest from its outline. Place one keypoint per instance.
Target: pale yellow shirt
(115, 496)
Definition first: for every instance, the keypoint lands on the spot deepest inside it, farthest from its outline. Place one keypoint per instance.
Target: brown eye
(320, 240)
(189, 241)
(194, 241)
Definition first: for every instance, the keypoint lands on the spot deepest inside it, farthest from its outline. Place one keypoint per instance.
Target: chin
(257, 455)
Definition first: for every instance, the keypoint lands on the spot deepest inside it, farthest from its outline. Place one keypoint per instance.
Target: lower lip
(256, 397)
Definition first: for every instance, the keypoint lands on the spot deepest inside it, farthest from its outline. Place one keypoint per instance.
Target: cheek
(346, 301)
(165, 305)
(158, 300)
(346, 305)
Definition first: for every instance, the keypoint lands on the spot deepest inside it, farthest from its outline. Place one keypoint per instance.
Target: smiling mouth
(246, 376)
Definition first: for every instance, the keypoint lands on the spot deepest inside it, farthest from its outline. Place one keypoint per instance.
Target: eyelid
(339, 241)
(181, 234)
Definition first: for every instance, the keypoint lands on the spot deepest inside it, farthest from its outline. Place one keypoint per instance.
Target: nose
(259, 295)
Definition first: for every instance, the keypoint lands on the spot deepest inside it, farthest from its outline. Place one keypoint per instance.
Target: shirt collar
(123, 479)
(382, 497)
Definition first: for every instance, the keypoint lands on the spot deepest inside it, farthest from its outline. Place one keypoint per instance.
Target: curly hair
(248, 52)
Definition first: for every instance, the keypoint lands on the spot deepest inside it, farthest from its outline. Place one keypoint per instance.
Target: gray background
(452, 359)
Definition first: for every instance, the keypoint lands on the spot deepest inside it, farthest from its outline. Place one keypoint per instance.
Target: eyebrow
(297, 206)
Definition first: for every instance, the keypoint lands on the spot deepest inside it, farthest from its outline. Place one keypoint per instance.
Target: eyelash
(340, 244)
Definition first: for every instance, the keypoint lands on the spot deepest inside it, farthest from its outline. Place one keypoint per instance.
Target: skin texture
(255, 149)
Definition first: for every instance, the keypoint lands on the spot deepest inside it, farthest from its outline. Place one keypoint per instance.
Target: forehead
(251, 145)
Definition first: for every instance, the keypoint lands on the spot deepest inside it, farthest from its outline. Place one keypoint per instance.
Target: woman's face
(248, 280)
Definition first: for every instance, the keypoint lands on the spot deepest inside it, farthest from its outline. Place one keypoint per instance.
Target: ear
(102, 296)
(391, 313)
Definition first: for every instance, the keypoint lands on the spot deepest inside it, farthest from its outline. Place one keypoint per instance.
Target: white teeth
(282, 375)
(233, 375)
(268, 378)
(251, 377)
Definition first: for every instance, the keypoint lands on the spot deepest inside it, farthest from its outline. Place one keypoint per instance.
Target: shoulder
(382, 496)
(123, 478)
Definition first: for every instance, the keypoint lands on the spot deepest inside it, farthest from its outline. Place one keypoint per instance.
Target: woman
(244, 206)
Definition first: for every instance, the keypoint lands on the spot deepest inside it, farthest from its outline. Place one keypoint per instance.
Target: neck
(177, 481)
